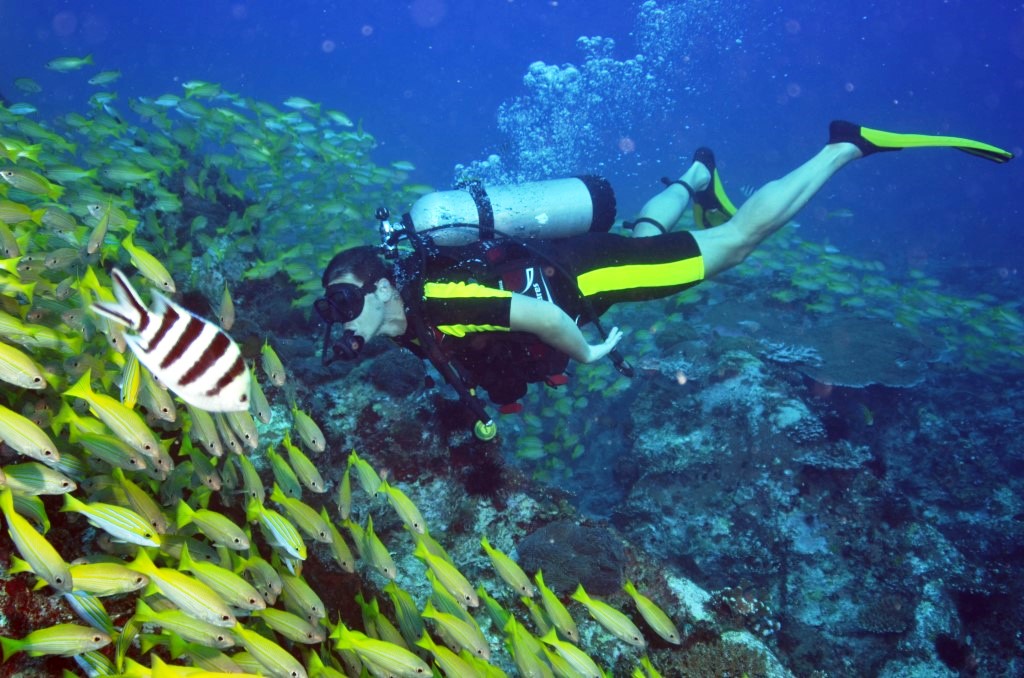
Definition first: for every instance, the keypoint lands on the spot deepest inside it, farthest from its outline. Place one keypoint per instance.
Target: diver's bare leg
(769, 208)
(667, 207)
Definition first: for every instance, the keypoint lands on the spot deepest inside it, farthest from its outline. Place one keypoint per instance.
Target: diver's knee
(723, 247)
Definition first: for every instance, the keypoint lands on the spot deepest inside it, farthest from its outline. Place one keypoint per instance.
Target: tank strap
(602, 197)
(668, 182)
(645, 220)
(484, 210)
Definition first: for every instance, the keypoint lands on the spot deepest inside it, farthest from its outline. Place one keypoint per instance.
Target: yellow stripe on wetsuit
(461, 290)
(633, 276)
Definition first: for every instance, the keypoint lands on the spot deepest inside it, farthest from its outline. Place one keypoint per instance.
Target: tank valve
(389, 235)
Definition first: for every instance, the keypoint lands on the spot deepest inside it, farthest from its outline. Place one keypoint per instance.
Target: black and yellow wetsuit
(467, 296)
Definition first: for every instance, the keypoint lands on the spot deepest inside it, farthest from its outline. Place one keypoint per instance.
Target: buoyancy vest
(502, 363)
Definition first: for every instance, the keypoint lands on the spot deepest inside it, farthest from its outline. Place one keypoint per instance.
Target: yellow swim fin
(874, 141)
(711, 206)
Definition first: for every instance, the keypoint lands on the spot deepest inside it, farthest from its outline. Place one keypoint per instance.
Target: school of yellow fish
(217, 581)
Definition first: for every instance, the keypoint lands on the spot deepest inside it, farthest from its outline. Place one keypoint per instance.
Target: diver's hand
(599, 351)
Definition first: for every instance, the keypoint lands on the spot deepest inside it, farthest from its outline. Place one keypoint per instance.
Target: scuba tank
(557, 208)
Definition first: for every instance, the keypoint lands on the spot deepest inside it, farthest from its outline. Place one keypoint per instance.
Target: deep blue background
(427, 77)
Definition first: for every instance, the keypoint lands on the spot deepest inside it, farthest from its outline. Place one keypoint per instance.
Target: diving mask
(342, 303)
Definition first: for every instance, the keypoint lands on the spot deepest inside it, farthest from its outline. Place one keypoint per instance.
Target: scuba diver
(500, 280)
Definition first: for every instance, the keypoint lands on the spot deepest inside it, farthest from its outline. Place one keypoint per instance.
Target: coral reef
(570, 554)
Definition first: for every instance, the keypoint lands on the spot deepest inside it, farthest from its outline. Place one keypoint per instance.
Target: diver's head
(359, 295)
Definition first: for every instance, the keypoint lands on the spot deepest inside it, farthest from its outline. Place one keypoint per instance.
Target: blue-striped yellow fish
(64, 640)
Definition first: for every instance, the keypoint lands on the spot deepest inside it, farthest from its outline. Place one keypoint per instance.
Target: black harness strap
(646, 220)
(669, 182)
(412, 296)
(484, 210)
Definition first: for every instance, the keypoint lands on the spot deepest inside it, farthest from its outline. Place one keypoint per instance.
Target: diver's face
(367, 307)
(382, 312)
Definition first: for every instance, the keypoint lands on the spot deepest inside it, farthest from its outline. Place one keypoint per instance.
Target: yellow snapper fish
(193, 357)
(65, 64)
(104, 78)
(64, 640)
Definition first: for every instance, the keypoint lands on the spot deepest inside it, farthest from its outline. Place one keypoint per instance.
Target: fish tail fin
(183, 514)
(129, 309)
(144, 564)
(19, 565)
(177, 647)
(252, 510)
(12, 646)
(71, 503)
(426, 642)
(185, 562)
(143, 612)
(81, 388)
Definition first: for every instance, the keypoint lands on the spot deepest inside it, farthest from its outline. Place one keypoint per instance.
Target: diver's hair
(363, 262)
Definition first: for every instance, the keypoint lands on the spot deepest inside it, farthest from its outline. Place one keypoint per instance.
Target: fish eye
(148, 535)
(225, 617)
(47, 452)
(65, 483)
(59, 580)
(96, 639)
(138, 580)
(220, 639)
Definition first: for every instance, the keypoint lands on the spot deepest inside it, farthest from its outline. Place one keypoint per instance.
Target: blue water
(449, 84)
(756, 81)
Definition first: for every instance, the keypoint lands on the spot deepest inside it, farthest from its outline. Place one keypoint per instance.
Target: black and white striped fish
(191, 356)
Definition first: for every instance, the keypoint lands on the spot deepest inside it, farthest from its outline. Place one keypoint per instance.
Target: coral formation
(569, 554)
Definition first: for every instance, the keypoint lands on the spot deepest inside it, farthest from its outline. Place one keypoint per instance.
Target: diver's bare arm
(556, 329)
